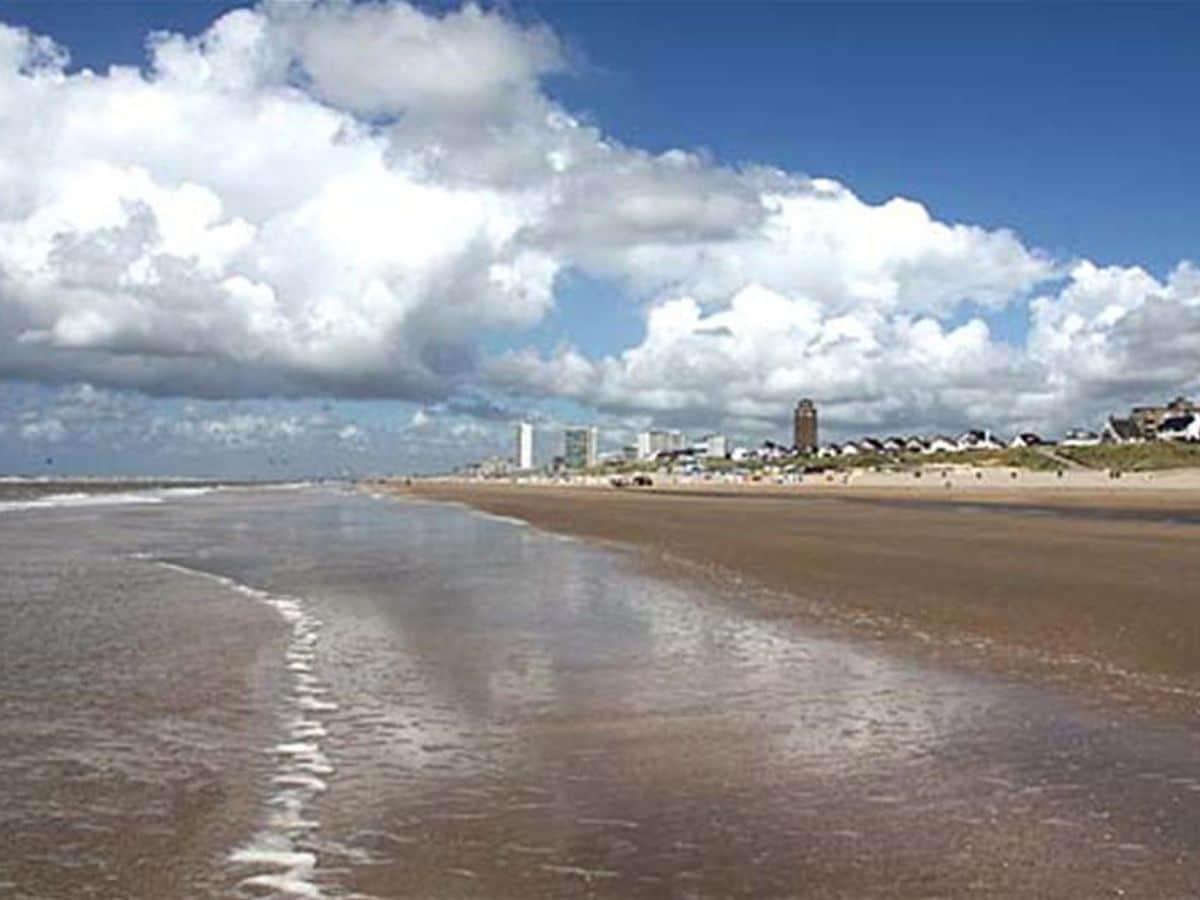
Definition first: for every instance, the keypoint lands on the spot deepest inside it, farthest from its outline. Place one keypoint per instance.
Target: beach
(322, 691)
(1087, 584)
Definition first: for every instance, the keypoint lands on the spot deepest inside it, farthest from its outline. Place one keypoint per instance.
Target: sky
(326, 238)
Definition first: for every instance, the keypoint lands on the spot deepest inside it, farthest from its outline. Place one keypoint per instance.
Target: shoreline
(1092, 593)
(1168, 490)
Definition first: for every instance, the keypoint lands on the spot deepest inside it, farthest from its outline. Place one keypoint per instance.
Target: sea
(309, 691)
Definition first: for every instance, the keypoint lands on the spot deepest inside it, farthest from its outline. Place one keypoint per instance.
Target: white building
(1080, 437)
(977, 439)
(656, 440)
(524, 456)
(716, 446)
(940, 444)
(1027, 439)
(1180, 428)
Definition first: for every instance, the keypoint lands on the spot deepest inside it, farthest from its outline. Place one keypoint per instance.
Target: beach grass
(1148, 457)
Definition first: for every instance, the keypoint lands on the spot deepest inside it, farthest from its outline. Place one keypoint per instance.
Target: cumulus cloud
(395, 59)
(1109, 336)
(344, 199)
(1118, 332)
(751, 359)
(158, 228)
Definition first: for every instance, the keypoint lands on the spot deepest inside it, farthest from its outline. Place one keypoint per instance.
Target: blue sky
(1069, 122)
(1070, 125)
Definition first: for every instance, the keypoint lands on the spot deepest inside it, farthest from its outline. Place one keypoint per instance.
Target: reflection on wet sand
(527, 717)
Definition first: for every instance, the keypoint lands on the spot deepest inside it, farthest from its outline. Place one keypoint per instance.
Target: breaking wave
(116, 498)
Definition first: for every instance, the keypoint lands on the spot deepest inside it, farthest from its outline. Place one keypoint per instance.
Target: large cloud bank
(330, 199)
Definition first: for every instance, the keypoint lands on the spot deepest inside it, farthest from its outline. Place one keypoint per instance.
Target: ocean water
(317, 693)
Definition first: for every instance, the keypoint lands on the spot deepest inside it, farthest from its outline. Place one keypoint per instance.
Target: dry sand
(1093, 586)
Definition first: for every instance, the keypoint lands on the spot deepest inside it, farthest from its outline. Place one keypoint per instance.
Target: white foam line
(507, 520)
(286, 885)
(301, 779)
(308, 704)
(111, 498)
(275, 860)
(59, 501)
(302, 728)
(296, 749)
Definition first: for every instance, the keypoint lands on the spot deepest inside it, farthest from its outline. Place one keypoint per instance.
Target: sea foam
(115, 498)
(278, 859)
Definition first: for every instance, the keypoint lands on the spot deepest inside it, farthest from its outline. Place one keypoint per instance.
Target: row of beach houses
(939, 443)
(771, 452)
(1178, 420)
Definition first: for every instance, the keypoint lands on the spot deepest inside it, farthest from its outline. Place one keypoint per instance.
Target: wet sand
(317, 693)
(1101, 591)
(133, 710)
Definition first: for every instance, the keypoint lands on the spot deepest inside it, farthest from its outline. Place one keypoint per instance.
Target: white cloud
(393, 58)
(157, 229)
(342, 199)
(48, 430)
(751, 359)
(708, 233)
(1109, 336)
(1118, 332)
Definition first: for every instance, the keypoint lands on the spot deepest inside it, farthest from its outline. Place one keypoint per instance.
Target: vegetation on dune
(1012, 458)
(1009, 457)
(1146, 457)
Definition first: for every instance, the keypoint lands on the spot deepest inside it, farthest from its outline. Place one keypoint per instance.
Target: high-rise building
(524, 456)
(655, 441)
(716, 446)
(579, 447)
(804, 426)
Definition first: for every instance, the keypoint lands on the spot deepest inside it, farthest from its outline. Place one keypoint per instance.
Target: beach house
(940, 444)
(1122, 431)
(977, 439)
(1027, 439)
(1080, 437)
(1149, 418)
(1180, 428)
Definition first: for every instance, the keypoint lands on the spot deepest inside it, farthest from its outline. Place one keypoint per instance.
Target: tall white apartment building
(656, 441)
(524, 455)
